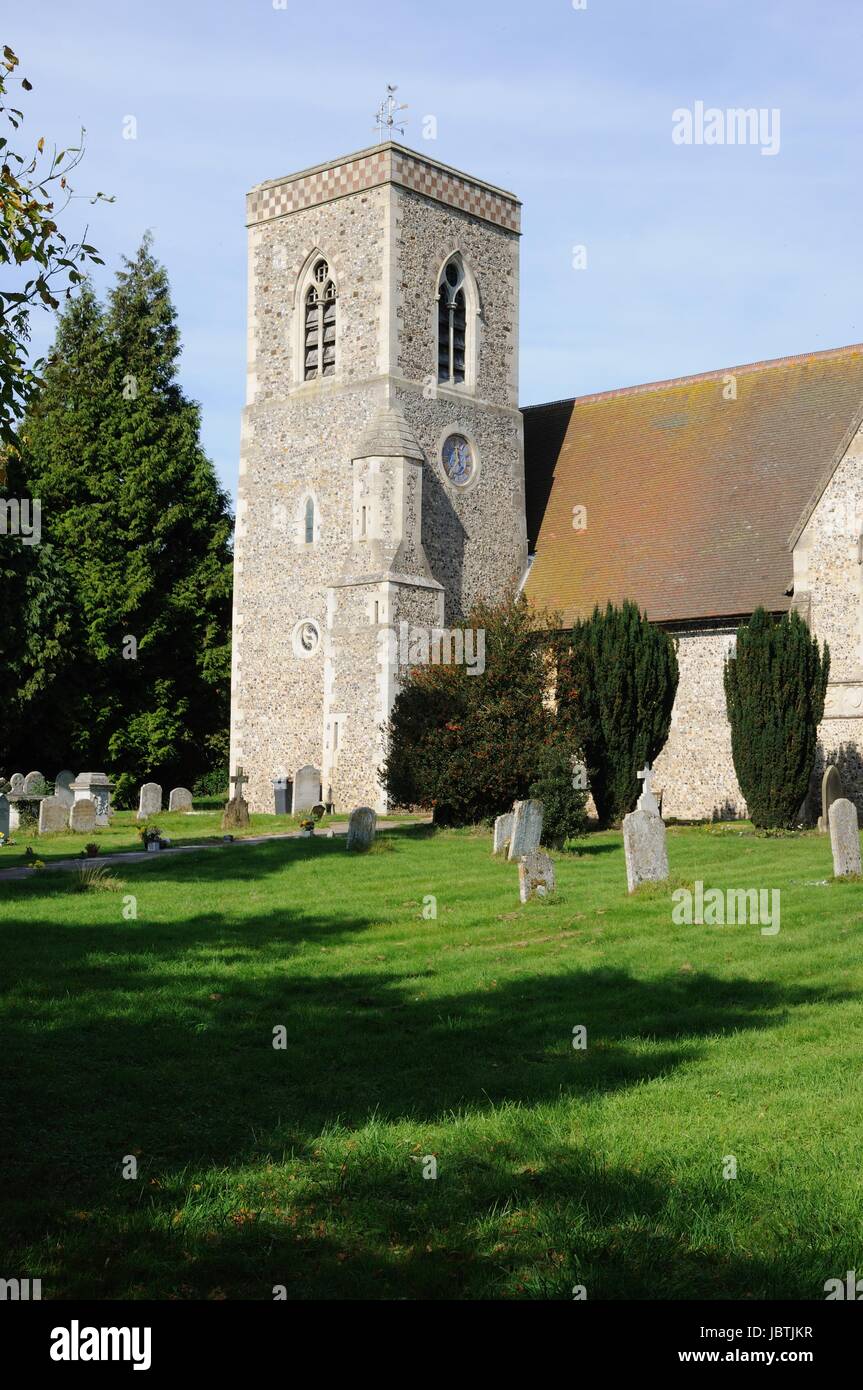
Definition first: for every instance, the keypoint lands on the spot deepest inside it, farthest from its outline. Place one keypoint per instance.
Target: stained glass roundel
(458, 460)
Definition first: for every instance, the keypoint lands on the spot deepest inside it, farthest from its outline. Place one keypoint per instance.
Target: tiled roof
(690, 498)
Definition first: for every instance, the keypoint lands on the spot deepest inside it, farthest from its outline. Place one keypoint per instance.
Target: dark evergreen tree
(617, 679)
(139, 534)
(775, 687)
(564, 801)
(467, 746)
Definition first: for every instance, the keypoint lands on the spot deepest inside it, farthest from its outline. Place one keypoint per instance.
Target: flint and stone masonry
(347, 522)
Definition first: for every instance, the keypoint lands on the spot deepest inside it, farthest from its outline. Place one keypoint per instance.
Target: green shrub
(214, 783)
(617, 679)
(774, 693)
(125, 794)
(466, 746)
(564, 816)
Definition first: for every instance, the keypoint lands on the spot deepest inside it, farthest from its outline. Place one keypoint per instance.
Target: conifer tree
(617, 679)
(139, 531)
(775, 688)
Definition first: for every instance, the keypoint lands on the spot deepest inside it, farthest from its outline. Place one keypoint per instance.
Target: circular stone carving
(458, 460)
(306, 638)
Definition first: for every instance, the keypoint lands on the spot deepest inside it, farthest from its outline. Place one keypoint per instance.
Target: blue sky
(697, 256)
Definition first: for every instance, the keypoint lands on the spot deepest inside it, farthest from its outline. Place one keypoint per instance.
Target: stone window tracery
(452, 323)
(320, 323)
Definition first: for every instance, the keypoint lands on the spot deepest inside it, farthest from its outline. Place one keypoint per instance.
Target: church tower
(381, 472)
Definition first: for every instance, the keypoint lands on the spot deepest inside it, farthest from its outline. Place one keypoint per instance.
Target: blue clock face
(458, 460)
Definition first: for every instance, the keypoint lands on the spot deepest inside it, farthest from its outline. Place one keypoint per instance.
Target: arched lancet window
(451, 323)
(320, 324)
(309, 521)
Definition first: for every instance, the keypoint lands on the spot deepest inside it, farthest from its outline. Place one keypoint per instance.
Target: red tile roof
(691, 498)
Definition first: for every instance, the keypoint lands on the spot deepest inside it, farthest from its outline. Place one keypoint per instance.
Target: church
(389, 480)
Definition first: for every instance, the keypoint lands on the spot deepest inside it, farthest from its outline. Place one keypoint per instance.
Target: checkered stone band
(374, 169)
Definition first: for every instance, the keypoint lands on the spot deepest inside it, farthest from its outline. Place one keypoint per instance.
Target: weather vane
(387, 112)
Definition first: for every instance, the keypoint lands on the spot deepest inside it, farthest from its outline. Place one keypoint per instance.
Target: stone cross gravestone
(63, 787)
(502, 833)
(307, 789)
(845, 838)
(831, 790)
(149, 801)
(4, 815)
(647, 801)
(236, 814)
(180, 799)
(526, 828)
(82, 815)
(645, 849)
(53, 815)
(535, 876)
(361, 828)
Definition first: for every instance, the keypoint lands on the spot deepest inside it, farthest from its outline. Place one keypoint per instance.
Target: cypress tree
(617, 679)
(775, 687)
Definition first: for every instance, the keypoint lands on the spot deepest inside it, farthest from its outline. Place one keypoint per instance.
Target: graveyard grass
(410, 1037)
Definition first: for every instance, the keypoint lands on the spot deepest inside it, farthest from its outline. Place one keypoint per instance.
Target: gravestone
(16, 782)
(5, 809)
(53, 815)
(34, 785)
(63, 787)
(647, 801)
(645, 849)
(149, 801)
(535, 876)
(236, 814)
(282, 796)
(307, 789)
(82, 815)
(95, 786)
(831, 790)
(502, 833)
(361, 828)
(318, 811)
(180, 799)
(526, 828)
(844, 838)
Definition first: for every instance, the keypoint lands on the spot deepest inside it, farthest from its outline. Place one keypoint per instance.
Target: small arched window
(452, 323)
(320, 325)
(310, 521)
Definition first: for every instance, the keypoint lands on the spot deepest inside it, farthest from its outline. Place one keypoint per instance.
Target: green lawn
(450, 1037)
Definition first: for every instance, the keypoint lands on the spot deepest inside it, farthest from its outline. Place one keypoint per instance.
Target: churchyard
(338, 1075)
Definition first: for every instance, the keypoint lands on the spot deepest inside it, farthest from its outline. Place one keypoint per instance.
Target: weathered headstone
(535, 875)
(95, 786)
(831, 790)
(149, 801)
(502, 833)
(5, 828)
(236, 814)
(845, 838)
(526, 828)
(16, 782)
(307, 789)
(82, 816)
(318, 811)
(34, 785)
(180, 799)
(645, 849)
(361, 828)
(63, 787)
(53, 815)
